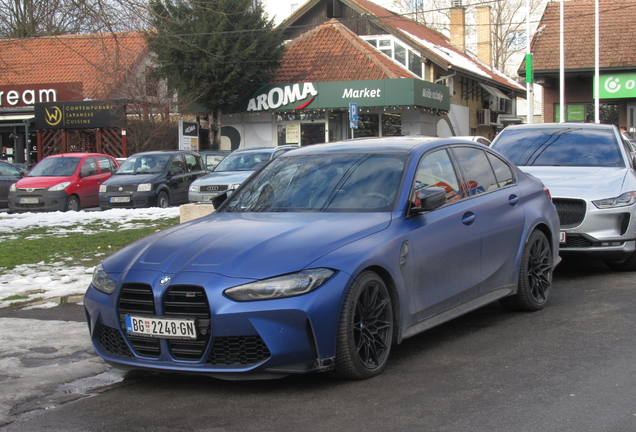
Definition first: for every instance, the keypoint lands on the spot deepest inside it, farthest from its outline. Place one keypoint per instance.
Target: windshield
(243, 161)
(334, 182)
(55, 167)
(565, 146)
(144, 164)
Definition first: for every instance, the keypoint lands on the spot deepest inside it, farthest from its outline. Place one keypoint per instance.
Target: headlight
(290, 285)
(102, 188)
(144, 187)
(234, 186)
(194, 188)
(59, 187)
(12, 188)
(101, 280)
(628, 198)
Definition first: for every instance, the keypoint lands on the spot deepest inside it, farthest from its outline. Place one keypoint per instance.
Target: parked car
(325, 258)
(590, 173)
(232, 171)
(63, 182)
(152, 179)
(211, 158)
(9, 174)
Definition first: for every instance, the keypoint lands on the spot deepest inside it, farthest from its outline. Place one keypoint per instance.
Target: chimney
(484, 35)
(458, 26)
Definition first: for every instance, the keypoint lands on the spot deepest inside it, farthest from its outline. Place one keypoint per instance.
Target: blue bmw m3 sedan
(325, 258)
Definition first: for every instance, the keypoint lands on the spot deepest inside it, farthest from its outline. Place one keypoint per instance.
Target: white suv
(590, 173)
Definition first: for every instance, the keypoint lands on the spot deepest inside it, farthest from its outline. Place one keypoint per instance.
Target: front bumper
(40, 200)
(608, 234)
(274, 337)
(110, 200)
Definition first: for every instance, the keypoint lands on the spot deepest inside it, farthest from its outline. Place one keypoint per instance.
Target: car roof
(78, 154)
(166, 152)
(561, 125)
(261, 149)
(402, 144)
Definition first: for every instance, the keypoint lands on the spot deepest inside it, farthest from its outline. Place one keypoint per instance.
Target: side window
(89, 167)
(436, 170)
(178, 165)
(105, 164)
(503, 172)
(192, 163)
(476, 168)
(8, 170)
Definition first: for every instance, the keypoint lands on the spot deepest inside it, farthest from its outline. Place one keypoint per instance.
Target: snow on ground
(58, 279)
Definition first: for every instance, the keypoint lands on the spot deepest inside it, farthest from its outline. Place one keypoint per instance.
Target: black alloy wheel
(535, 276)
(365, 331)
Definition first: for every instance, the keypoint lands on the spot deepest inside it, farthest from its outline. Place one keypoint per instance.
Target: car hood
(41, 182)
(133, 179)
(580, 182)
(247, 245)
(223, 177)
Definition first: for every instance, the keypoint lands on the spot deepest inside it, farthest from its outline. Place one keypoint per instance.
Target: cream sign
(30, 94)
(281, 96)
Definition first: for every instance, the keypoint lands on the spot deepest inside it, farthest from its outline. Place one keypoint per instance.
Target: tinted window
(565, 146)
(340, 182)
(144, 164)
(503, 172)
(56, 167)
(476, 168)
(436, 170)
(9, 170)
(105, 164)
(192, 163)
(89, 167)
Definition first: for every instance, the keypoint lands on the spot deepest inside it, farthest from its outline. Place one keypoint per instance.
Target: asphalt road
(570, 367)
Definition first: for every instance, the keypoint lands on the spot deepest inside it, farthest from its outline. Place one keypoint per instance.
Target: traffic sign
(353, 115)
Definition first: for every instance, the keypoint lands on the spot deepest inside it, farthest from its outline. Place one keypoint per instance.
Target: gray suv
(589, 171)
(232, 171)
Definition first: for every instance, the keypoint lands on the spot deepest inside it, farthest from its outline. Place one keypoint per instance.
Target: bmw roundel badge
(164, 280)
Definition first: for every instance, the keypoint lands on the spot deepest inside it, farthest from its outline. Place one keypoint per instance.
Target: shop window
(584, 113)
(391, 124)
(368, 126)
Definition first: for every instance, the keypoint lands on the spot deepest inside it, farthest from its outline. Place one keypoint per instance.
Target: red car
(63, 182)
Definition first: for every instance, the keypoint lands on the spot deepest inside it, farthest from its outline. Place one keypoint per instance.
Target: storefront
(311, 113)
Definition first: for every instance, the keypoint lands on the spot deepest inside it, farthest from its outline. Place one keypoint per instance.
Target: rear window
(560, 147)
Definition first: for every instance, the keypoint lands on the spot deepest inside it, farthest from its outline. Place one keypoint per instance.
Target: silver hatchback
(232, 171)
(589, 170)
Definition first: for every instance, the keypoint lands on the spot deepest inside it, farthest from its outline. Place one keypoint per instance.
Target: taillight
(547, 192)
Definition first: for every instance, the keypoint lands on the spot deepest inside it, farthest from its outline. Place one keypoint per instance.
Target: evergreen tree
(216, 52)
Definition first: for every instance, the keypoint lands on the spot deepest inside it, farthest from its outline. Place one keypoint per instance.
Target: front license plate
(207, 198)
(562, 237)
(28, 200)
(161, 328)
(119, 199)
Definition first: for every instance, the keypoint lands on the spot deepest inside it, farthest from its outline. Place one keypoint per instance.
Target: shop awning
(494, 91)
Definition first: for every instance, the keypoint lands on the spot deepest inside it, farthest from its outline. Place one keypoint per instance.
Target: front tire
(163, 200)
(72, 204)
(535, 276)
(365, 331)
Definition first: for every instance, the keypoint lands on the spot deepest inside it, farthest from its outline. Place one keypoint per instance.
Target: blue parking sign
(353, 115)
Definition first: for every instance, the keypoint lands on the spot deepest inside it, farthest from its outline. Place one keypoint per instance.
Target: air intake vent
(186, 301)
(571, 211)
(238, 350)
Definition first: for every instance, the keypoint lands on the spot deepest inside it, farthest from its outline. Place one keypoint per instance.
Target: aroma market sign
(338, 95)
(617, 86)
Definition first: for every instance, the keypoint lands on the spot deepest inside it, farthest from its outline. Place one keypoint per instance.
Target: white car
(233, 170)
(589, 170)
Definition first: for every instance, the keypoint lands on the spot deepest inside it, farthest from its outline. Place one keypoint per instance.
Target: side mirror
(430, 199)
(218, 200)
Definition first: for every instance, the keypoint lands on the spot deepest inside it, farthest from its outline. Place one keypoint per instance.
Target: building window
(408, 58)
(584, 113)
(516, 40)
(294, 7)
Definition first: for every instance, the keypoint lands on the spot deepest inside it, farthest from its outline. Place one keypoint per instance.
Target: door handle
(468, 218)
(513, 200)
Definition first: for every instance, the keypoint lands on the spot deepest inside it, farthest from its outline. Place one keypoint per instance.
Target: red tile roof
(331, 52)
(435, 45)
(99, 61)
(617, 32)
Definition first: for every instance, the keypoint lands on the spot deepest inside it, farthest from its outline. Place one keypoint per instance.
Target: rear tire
(535, 276)
(365, 331)
(628, 265)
